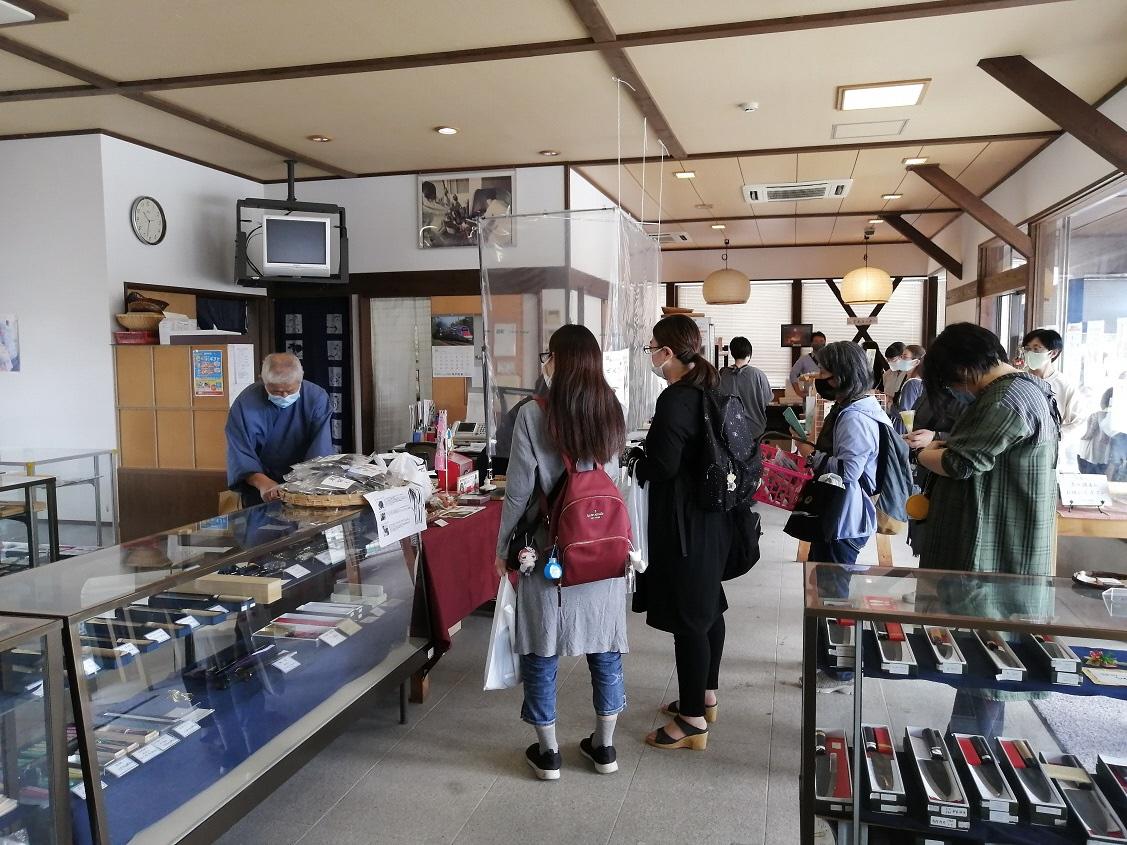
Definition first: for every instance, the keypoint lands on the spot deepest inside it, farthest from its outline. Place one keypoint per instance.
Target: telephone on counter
(468, 432)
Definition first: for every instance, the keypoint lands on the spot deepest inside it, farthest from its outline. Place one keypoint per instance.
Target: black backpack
(731, 463)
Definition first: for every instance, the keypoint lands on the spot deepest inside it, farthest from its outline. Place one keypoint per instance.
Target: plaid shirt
(996, 510)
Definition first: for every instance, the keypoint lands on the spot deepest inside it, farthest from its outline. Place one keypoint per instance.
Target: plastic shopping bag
(502, 663)
(637, 500)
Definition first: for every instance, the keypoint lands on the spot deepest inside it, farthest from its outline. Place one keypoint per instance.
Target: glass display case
(33, 808)
(206, 664)
(979, 707)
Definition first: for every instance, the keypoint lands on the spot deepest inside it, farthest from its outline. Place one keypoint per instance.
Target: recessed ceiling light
(881, 95)
(912, 162)
(550, 153)
(719, 226)
(703, 206)
(876, 220)
(320, 139)
(446, 130)
(686, 174)
(890, 197)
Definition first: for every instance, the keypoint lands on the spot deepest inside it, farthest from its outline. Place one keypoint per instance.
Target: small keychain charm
(552, 569)
(731, 482)
(526, 559)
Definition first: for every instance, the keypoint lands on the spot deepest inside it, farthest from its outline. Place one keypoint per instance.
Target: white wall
(382, 215)
(793, 262)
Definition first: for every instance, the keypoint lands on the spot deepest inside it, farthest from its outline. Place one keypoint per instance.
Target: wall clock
(148, 220)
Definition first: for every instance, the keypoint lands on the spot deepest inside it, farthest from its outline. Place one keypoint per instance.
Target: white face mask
(1037, 360)
(902, 366)
(658, 370)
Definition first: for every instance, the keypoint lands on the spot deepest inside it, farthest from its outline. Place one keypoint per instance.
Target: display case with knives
(841, 640)
(833, 780)
(1111, 775)
(1040, 799)
(948, 656)
(990, 796)
(886, 793)
(896, 655)
(1054, 658)
(1092, 816)
(1009, 666)
(945, 805)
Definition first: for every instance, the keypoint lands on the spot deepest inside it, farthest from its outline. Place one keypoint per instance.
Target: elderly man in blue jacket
(273, 425)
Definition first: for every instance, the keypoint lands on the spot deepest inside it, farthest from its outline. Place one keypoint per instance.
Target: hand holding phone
(793, 421)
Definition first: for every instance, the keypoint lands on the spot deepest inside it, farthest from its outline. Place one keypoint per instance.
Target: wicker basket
(323, 500)
(140, 321)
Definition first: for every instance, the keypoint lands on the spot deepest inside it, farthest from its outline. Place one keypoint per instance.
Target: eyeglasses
(650, 350)
(544, 356)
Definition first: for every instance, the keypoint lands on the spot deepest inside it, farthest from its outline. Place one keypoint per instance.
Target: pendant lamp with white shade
(866, 285)
(727, 286)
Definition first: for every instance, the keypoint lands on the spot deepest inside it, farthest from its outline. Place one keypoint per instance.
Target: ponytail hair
(681, 335)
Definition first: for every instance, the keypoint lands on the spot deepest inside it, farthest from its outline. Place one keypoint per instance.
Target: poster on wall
(453, 205)
(452, 346)
(207, 372)
(9, 344)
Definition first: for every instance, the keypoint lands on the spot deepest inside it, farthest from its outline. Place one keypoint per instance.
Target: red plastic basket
(781, 487)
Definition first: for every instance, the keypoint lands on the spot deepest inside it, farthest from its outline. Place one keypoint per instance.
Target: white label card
(128, 648)
(158, 636)
(898, 669)
(90, 666)
(122, 767)
(336, 482)
(348, 627)
(285, 665)
(1001, 817)
(144, 755)
(186, 729)
(367, 470)
(218, 608)
(943, 821)
(332, 638)
(1000, 807)
(955, 812)
(951, 668)
(80, 789)
(296, 571)
(1010, 675)
(190, 621)
(441, 523)
(165, 742)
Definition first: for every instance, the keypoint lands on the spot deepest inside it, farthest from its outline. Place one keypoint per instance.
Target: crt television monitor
(797, 335)
(295, 246)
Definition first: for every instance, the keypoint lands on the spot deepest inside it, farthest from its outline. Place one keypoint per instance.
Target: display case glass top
(1023, 603)
(109, 577)
(36, 455)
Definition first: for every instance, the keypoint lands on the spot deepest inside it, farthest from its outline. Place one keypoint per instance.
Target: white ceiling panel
(632, 16)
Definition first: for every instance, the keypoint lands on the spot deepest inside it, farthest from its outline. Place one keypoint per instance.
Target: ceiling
(241, 85)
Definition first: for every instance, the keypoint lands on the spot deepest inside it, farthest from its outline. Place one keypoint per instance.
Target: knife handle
(982, 750)
(870, 739)
(1026, 753)
(884, 742)
(881, 630)
(895, 632)
(819, 742)
(935, 743)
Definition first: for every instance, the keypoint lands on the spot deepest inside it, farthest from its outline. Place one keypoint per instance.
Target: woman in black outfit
(680, 591)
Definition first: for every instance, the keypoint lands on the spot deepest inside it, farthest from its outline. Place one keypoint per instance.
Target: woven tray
(323, 500)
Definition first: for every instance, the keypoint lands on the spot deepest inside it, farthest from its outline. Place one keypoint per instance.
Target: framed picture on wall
(797, 335)
(452, 206)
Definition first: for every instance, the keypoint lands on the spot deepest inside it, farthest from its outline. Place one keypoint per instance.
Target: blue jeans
(608, 690)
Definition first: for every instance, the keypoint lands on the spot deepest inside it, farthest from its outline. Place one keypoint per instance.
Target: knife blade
(943, 647)
(987, 770)
(1001, 655)
(1051, 648)
(939, 780)
(881, 763)
(1034, 779)
(1091, 812)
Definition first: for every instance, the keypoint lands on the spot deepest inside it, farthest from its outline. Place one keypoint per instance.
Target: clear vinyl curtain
(542, 271)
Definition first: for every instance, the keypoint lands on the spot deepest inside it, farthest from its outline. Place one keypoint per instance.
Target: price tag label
(898, 669)
(955, 812)
(218, 608)
(285, 665)
(367, 470)
(1000, 807)
(165, 742)
(296, 571)
(1010, 675)
(348, 627)
(122, 767)
(144, 755)
(441, 523)
(158, 636)
(950, 668)
(79, 789)
(1001, 817)
(332, 638)
(336, 482)
(190, 621)
(128, 648)
(90, 666)
(185, 729)
(36, 689)
(943, 821)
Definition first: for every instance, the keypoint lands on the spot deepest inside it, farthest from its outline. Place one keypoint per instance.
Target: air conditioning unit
(671, 237)
(797, 191)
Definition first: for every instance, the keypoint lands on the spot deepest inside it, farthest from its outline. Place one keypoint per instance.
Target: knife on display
(935, 770)
(823, 766)
(1001, 655)
(1088, 806)
(892, 649)
(880, 759)
(942, 645)
(1051, 648)
(987, 769)
(1032, 776)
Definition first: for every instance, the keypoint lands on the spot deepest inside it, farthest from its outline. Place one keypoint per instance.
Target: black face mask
(822, 386)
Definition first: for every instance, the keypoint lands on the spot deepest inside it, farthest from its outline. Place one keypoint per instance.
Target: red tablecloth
(458, 567)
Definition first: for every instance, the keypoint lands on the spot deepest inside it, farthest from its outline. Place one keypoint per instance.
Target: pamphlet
(400, 512)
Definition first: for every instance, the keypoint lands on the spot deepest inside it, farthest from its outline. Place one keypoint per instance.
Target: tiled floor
(456, 773)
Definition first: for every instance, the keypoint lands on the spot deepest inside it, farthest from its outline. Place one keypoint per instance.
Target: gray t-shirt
(752, 386)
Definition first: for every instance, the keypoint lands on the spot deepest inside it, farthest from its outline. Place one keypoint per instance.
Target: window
(758, 320)
(901, 319)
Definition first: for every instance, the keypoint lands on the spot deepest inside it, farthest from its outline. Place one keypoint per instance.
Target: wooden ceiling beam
(737, 29)
(722, 248)
(90, 77)
(1084, 122)
(929, 247)
(722, 218)
(973, 205)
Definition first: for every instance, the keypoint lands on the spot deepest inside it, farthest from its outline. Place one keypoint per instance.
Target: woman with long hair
(580, 418)
(680, 592)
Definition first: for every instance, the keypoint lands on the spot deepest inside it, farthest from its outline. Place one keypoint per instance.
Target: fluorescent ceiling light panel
(881, 95)
(873, 129)
(10, 13)
(890, 197)
(719, 226)
(911, 162)
(686, 174)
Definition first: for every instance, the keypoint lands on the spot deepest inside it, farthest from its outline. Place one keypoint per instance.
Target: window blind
(901, 319)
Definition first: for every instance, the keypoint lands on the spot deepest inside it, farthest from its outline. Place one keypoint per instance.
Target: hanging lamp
(866, 285)
(727, 286)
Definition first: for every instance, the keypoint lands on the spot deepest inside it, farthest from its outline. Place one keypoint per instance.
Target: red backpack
(589, 525)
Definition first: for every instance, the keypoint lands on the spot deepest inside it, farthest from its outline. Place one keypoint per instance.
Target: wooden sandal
(711, 711)
(694, 738)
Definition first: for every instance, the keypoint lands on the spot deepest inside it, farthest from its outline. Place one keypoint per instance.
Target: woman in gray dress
(580, 417)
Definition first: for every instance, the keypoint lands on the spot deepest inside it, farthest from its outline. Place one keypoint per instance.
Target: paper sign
(207, 372)
(616, 370)
(861, 321)
(90, 666)
(144, 755)
(80, 789)
(186, 729)
(158, 636)
(1083, 491)
(296, 571)
(122, 767)
(285, 665)
(332, 638)
(190, 621)
(400, 512)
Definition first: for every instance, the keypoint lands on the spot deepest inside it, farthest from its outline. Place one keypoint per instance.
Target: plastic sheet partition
(539, 272)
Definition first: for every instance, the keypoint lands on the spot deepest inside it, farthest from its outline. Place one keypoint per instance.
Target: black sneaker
(547, 765)
(604, 757)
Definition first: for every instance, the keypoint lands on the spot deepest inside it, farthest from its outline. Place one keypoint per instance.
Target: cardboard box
(974, 760)
(944, 802)
(456, 466)
(1040, 802)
